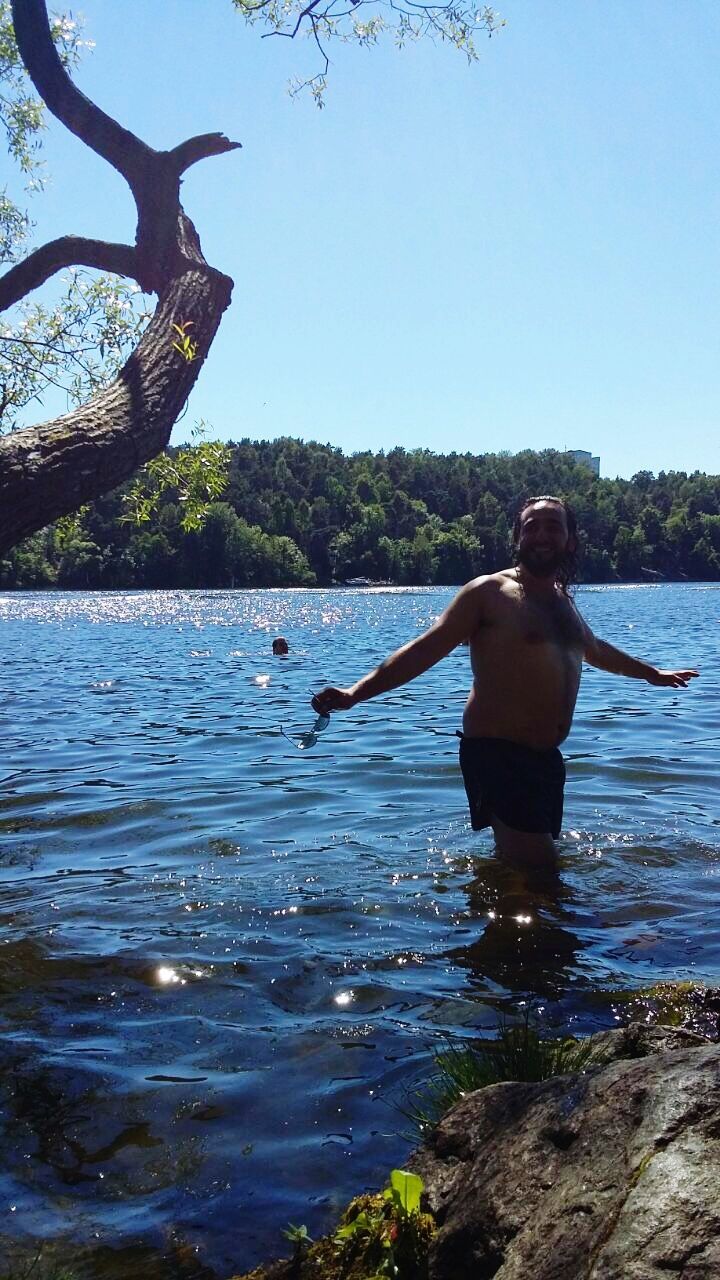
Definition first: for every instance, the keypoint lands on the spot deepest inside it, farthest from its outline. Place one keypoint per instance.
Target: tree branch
(153, 176)
(201, 147)
(121, 148)
(303, 14)
(67, 251)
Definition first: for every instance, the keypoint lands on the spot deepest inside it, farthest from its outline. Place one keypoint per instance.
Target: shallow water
(222, 958)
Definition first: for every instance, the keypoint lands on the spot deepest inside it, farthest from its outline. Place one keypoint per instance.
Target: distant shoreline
(54, 589)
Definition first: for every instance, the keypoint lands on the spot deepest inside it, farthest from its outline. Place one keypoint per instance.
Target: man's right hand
(671, 679)
(331, 699)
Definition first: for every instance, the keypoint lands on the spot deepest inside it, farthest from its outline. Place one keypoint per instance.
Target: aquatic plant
(518, 1053)
(384, 1236)
(300, 1238)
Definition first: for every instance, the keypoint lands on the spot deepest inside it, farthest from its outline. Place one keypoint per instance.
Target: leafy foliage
(379, 1237)
(386, 1235)
(14, 228)
(77, 345)
(297, 1235)
(303, 514)
(21, 111)
(184, 343)
(195, 476)
(22, 118)
(365, 22)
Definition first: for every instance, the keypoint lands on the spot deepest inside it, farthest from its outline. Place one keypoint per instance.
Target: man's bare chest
(520, 623)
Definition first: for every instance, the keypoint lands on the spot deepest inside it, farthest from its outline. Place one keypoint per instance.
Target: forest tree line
(297, 514)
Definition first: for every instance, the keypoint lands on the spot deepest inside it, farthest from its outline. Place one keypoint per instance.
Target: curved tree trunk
(50, 470)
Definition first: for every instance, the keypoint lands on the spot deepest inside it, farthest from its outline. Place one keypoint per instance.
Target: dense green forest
(296, 514)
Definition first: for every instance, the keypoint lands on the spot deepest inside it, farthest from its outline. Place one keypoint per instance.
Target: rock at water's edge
(609, 1175)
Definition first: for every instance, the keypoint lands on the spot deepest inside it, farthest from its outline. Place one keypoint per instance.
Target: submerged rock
(613, 1174)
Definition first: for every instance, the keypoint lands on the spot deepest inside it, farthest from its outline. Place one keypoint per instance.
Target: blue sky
(522, 253)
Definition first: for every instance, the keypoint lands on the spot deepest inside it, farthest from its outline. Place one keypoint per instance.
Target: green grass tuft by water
(518, 1053)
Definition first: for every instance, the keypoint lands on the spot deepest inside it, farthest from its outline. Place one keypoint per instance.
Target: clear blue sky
(522, 253)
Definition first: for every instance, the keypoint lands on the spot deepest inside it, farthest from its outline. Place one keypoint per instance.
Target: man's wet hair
(566, 575)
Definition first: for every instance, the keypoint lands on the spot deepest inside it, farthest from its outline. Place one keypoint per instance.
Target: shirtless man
(527, 646)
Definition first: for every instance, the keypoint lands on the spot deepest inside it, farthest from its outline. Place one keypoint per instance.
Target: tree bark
(50, 470)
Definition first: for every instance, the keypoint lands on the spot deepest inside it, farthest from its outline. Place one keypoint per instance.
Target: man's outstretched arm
(607, 658)
(456, 624)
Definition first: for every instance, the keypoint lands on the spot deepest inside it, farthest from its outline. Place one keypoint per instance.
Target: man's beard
(541, 564)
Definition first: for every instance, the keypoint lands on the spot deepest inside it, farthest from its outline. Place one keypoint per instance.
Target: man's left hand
(672, 679)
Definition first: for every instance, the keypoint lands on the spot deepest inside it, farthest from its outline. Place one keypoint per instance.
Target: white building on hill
(581, 455)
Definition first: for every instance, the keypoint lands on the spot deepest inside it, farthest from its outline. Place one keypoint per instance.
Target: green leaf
(298, 1235)
(362, 1223)
(405, 1189)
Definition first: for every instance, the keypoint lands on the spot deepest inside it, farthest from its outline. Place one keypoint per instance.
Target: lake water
(222, 959)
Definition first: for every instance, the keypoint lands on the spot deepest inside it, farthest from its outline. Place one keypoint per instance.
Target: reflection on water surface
(222, 958)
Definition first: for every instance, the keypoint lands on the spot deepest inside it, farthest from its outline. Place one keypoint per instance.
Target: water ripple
(221, 958)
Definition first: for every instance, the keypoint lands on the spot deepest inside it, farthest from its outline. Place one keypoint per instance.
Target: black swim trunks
(523, 787)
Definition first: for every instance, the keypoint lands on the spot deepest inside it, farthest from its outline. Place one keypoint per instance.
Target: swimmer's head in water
(280, 647)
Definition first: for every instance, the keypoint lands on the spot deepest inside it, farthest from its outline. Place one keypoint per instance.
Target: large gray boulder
(609, 1175)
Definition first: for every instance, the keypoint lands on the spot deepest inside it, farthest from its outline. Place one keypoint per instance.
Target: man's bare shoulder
(489, 585)
(484, 596)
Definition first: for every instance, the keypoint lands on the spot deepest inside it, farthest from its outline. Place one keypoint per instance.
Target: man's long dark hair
(566, 575)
